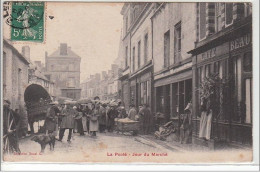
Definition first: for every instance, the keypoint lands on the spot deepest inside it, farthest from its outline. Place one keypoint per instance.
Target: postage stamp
(27, 21)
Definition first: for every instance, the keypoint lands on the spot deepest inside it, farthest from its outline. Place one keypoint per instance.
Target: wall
(165, 20)
(60, 71)
(138, 33)
(13, 63)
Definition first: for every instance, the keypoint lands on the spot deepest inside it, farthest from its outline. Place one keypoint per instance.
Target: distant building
(37, 76)
(105, 85)
(63, 67)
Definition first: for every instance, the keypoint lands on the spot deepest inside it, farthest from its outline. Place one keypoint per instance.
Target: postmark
(27, 21)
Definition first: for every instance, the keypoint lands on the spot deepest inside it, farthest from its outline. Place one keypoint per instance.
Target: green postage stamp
(27, 21)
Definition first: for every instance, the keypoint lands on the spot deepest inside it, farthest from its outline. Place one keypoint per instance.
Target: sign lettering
(240, 42)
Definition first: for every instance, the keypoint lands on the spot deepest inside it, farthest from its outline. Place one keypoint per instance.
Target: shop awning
(173, 78)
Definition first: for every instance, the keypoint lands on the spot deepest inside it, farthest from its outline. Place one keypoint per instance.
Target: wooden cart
(131, 126)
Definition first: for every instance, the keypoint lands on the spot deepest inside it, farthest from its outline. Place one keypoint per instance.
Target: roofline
(16, 51)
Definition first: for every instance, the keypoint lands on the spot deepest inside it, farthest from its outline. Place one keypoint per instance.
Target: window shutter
(238, 11)
(210, 18)
(202, 20)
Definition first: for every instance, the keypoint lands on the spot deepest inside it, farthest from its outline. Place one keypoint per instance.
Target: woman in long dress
(205, 120)
(93, 116)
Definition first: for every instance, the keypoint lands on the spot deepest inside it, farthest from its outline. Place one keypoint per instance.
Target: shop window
(202, 20)
(247, 9)
(207, 70)
(229, 13)
(71, 82)
(145, 48)
(139, 54)
(126, 56)
(71, 67)
(248, 100)
(247, 62)
(175, 100)
(177, 42)
(133, 59)
(167, 49)
(218, 21)
(159, 99)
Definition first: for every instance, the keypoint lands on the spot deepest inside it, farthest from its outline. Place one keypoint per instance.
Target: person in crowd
(205, 119)
(93, 116)
(84, 118)
(102, 118)
(132, 112)
(67, 121)
(111, 114)
(61, 107)
(51, 118)
(145, 116)
(10, 129)
(121, 111)
(78, 120)
(86, 112)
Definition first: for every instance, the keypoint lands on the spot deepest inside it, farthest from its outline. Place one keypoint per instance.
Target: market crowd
(93, 116)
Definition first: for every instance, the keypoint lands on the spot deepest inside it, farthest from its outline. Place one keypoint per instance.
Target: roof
(70, 54)
(8, 43)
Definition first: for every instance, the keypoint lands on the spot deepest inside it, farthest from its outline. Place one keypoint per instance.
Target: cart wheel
(135, 133)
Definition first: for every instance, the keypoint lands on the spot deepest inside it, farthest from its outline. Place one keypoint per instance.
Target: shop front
(141, 89)
(172, 95)
(231, 60)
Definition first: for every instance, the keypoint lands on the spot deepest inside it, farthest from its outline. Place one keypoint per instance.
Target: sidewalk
(174, 145)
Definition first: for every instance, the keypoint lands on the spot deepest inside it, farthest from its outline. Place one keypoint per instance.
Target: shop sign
(240, 42)
(213, 52)
(209, 54)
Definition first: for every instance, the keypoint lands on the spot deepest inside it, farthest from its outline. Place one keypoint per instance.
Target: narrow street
(104, 147)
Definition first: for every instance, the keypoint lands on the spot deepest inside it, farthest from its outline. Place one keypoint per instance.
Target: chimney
(26, 52)
(63, 49)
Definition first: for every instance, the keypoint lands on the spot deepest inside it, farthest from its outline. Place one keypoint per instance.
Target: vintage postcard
(127, 82)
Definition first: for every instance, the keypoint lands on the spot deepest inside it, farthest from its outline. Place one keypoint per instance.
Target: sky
(92, 30)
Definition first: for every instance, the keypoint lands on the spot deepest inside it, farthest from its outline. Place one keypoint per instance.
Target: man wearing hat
(68, 120)
(51, 120)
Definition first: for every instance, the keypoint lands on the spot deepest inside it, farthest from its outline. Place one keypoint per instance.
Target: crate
(128, 126)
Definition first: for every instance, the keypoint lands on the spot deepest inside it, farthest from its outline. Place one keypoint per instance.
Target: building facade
(15, 79)
(63, 67)
(174, 34)
(224, 48)
(105, 85)
(37, 76)
(137, 77)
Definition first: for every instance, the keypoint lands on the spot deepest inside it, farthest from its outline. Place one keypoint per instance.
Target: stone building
(104, 85)
(174, 34)
(137, 79)
(37, 76)
(224, 47)
(63, 67)
(15, 78)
